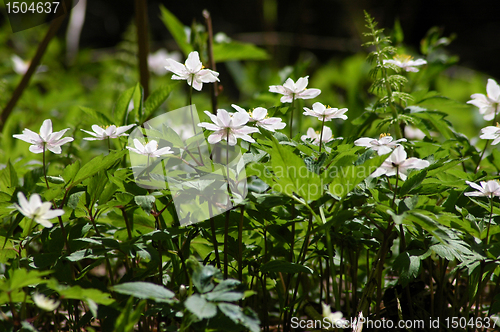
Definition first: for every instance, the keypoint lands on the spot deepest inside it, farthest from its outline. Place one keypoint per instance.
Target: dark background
(328, 28)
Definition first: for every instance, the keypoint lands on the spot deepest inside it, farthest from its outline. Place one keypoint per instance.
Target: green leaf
(203, 275)
(8, 179)
(97, 116)
(284, 266)
(129, 316)
(145, 202)
(291, 174)
(413, 181)
(200, 307)
(236, 314)
(343, 179)
(238, 51)
(21, 278)
(145, 290)
(224, 291)
(176, 29)
(121, 107)
(97, 164)
(79, 293)
(156, 99)
(408, 264)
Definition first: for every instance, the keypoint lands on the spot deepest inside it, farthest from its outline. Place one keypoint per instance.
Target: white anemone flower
(46, 139)
(383, 145)
(406, 62)
(156, 61)
(44, 302)
(21, 67)
(489, 104)
(489, 188)
(229, 127)
(325, 113)
(491, 132)
(291, 90)
(359, 323)
(150, 149)
(314, 136)
(261, 119)
(192, 71)
(36, 210)
(336, 318)
(108, 132)
(398, 164)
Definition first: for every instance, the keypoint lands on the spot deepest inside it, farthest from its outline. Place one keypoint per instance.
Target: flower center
(384, 135)
(403, 57)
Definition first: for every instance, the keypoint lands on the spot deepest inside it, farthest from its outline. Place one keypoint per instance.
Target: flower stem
(109, 145)
(226, 225)
(481, 157)
(240, 244)
(321, 135)
(489, 221)
(44, 167)
(214, 236)
(291, 116)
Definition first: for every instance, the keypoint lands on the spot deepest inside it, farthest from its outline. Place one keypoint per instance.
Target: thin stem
(321, 136)
(291, 117)
(481, 157)
(109, 145)
(240, 243)
(226, 225)
(44, 166)
(489, 221)
(214, 236)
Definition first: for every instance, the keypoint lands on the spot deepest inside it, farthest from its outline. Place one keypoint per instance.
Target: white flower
(21, 67)
(291, 90)
(325, 113)
(45, 303)
(491, 132)
(315, 135)
(336, 318)
(488, 105)
(108, 132)
(36, 210)
(229, 127)
(490, 188)
(259, 116)
(398, 164)
(406, 62)
(156, 61)
(383, 145)
(150, 149)
(46, 138)
(192, 71)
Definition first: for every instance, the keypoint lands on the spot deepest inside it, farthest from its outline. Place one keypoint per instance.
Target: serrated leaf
(200, 307)
(145, 202)
(121, 107)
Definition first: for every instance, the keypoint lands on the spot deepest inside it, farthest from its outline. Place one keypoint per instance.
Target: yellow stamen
(498, 125)
(403, 57)
(384, 135)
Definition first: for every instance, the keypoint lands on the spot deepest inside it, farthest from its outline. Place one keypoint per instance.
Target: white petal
(36, 148)
(493, 90)
(301, 84)
(46, 129)
(193, 63)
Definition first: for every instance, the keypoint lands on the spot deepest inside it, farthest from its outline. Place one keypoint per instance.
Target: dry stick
(141, 22)
(54, 26)
(214, 88)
